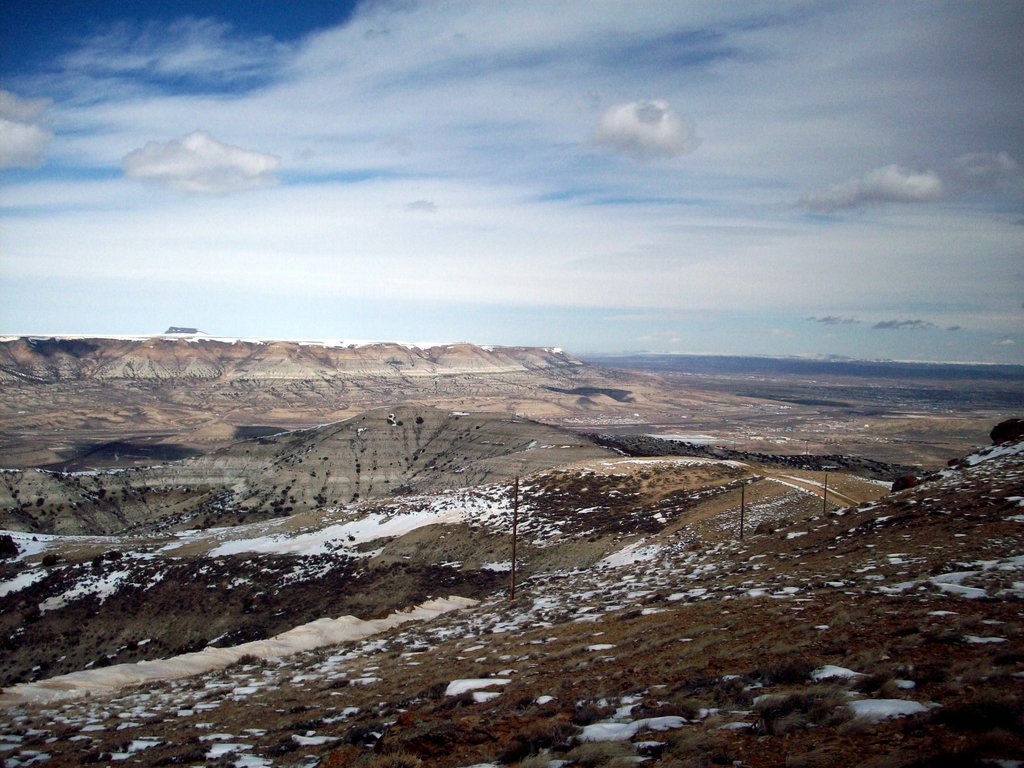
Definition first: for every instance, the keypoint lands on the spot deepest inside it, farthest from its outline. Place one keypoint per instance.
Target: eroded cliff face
(164, 358)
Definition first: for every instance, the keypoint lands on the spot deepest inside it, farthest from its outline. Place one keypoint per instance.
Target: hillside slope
(377, 454)
(884, 633)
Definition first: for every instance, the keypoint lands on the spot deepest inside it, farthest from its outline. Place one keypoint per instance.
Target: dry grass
(601, 754)
(392, 760)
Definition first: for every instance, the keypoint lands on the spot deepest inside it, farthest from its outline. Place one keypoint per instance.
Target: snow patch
(633, 553)
(457, 687)
(625, 731)
(21, 581)
(305, 637)
(830, 671)
(876, 710)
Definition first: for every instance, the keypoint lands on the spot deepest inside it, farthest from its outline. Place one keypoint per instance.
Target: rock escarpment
(163, 358)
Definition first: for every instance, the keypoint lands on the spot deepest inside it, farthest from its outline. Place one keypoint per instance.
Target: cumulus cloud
(647, 130)
(834, 320)
(889, 184)
(900, 325)
(24, 132)
(983, 170)
(200, 164)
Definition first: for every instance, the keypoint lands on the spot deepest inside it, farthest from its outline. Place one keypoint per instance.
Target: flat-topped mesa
(200, 357)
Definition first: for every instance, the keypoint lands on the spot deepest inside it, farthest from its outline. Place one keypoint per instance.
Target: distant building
(183, 331)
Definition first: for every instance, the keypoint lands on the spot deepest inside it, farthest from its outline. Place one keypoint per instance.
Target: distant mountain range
(204, 358)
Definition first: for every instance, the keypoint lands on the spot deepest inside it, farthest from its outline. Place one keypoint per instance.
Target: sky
(763, 178)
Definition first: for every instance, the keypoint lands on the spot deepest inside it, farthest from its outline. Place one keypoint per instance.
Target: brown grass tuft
(780, 714)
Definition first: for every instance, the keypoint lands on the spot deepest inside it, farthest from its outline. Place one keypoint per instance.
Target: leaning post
(515, 525)
(743, 506)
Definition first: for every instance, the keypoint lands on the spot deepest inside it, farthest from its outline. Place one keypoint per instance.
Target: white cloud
(985, 169)
(201, 164)
(889, 184)
(24, 132)
(646, 130)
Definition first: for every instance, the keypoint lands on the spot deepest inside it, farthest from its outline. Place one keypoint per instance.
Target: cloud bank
(24, 132)
(646, 130)
(834, 320)
(200, 164)
(903, 325)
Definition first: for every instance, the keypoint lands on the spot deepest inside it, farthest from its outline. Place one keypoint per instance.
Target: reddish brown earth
(920, 593)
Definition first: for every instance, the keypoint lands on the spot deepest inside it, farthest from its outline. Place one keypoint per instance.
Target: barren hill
(377, 454)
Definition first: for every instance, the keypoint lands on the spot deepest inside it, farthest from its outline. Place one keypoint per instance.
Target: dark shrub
(587, 713)
(556, 736)
(7, 546)
(1004, 431)
(904, 482)
(779, 715)
(982, 715)
(787, 671)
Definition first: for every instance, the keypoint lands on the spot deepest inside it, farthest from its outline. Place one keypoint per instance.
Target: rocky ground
(881, 630)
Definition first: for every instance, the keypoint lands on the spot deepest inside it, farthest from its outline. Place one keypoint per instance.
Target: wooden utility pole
(743, 507)
(515, 525)
(824, 497)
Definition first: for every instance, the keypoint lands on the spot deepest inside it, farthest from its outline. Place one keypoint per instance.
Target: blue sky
(805, 178)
